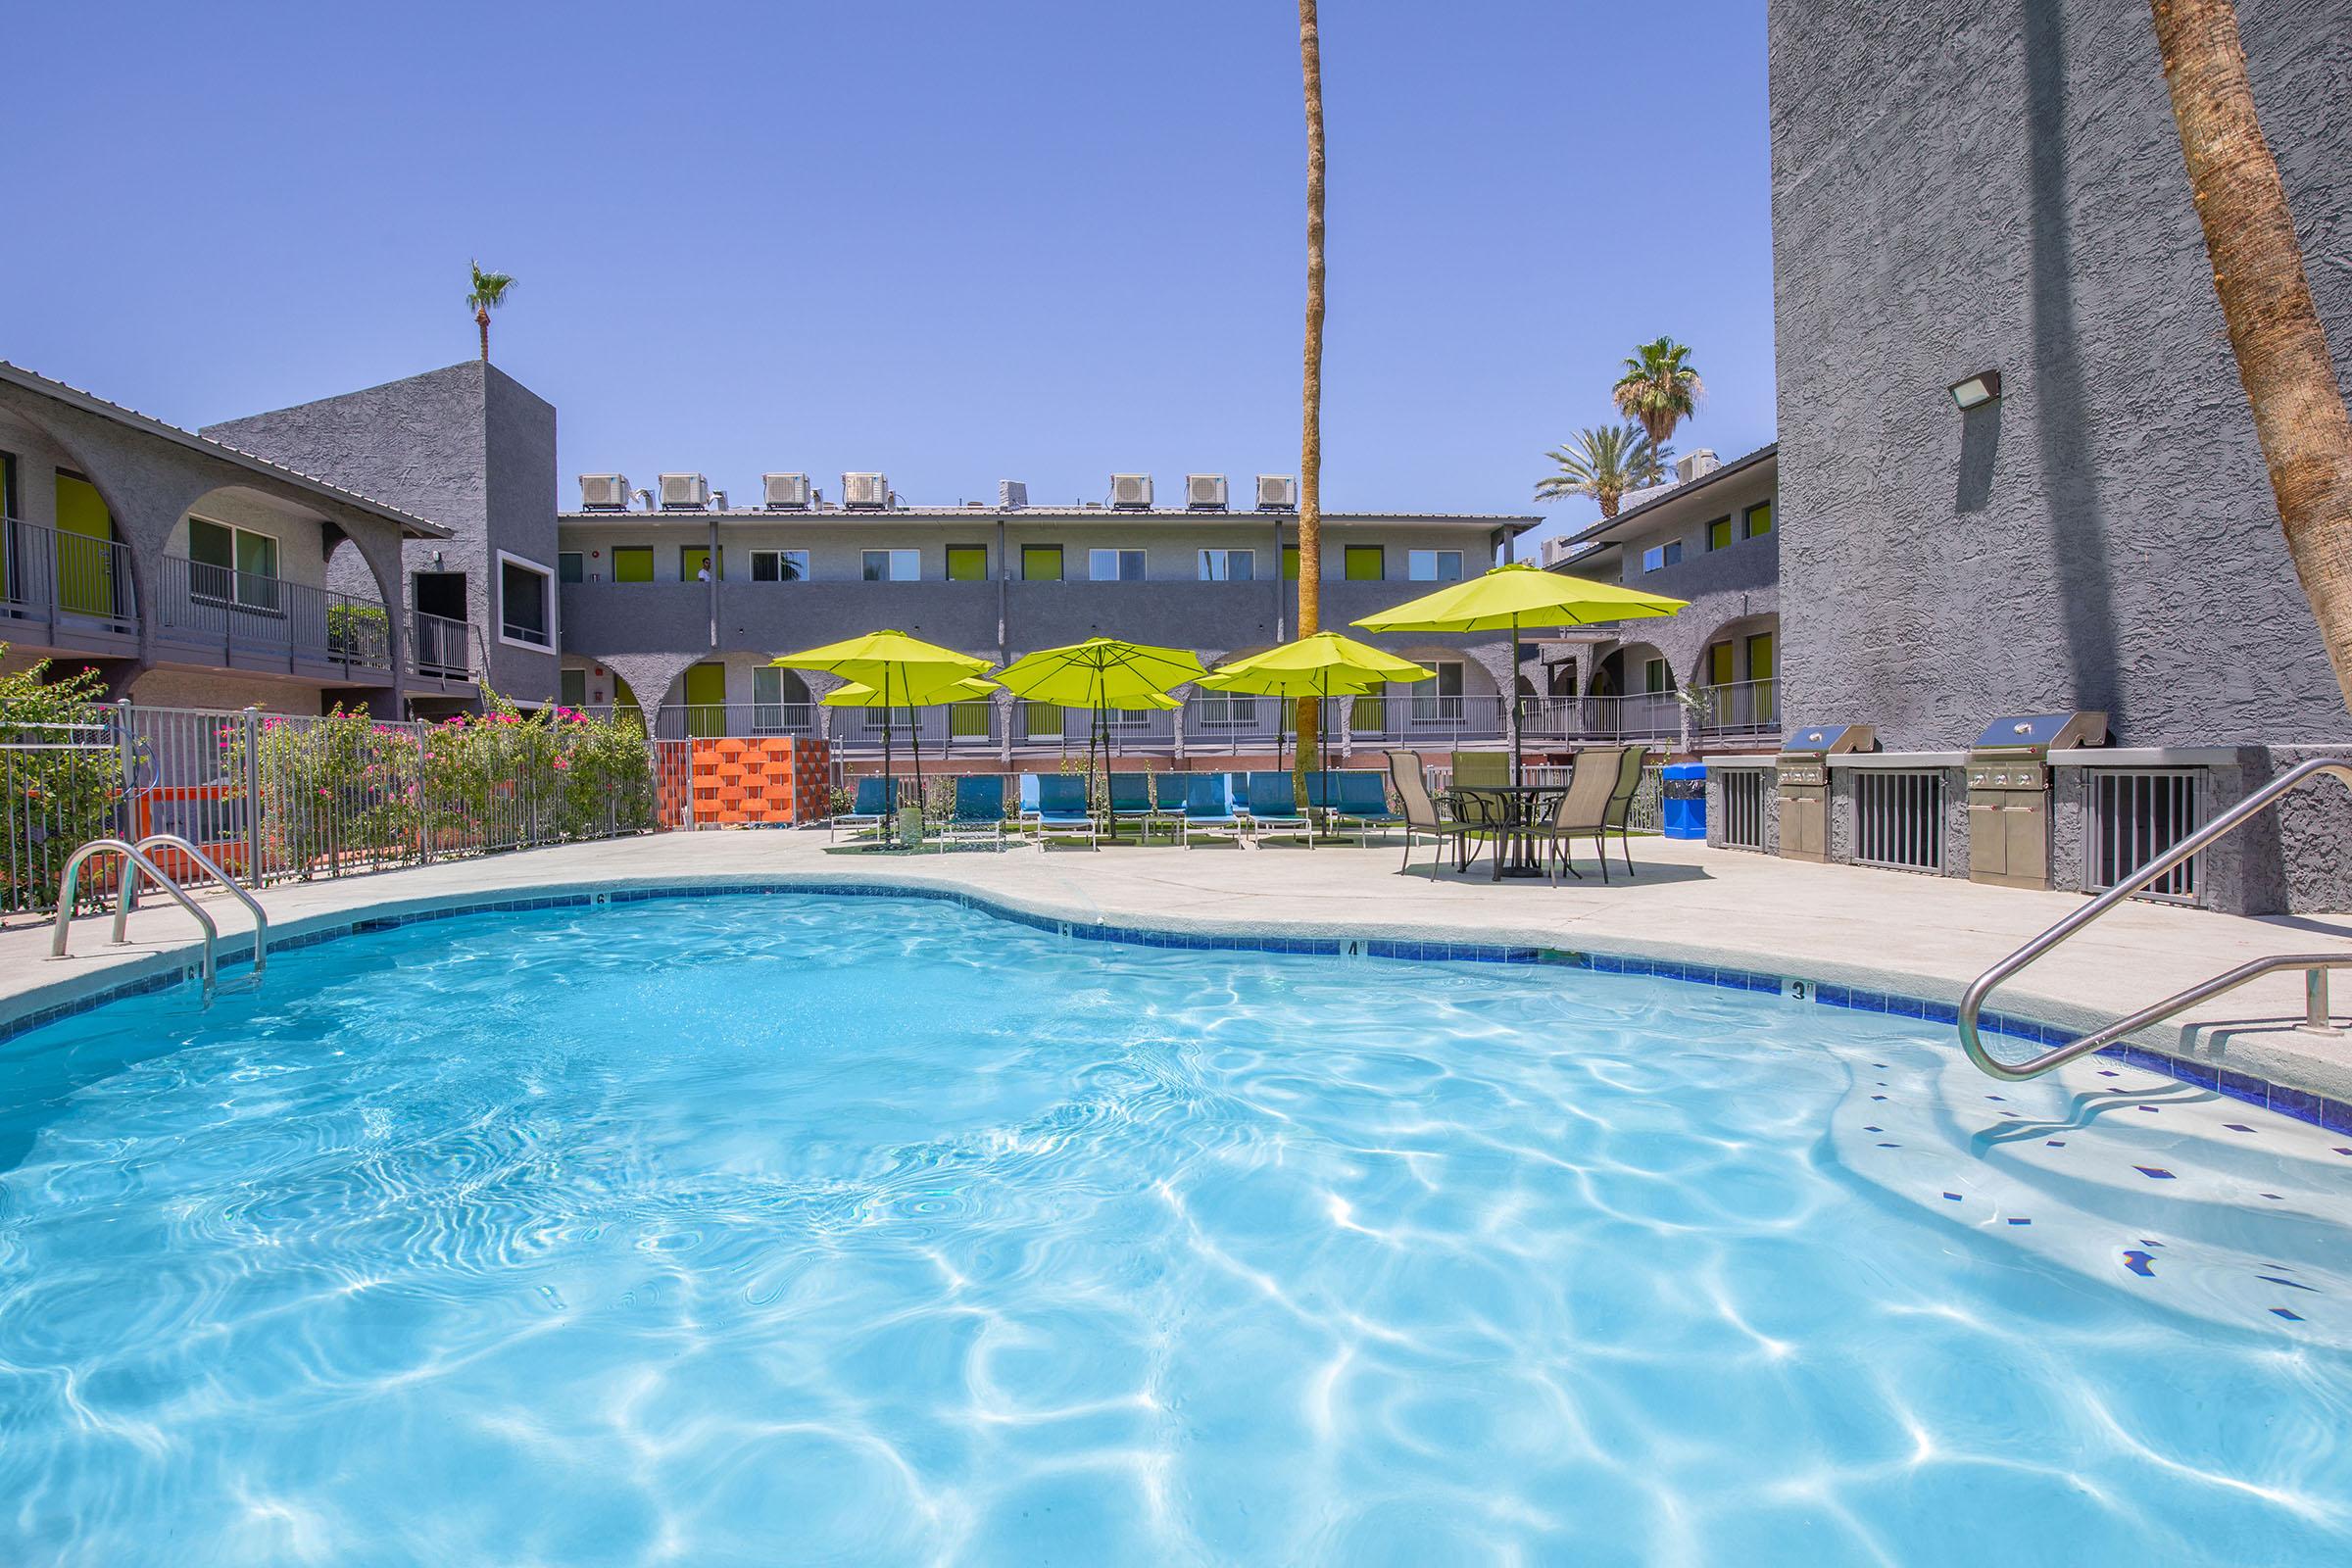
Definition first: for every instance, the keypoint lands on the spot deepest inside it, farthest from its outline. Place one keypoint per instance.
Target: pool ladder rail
(2315, 965)
(137, 861)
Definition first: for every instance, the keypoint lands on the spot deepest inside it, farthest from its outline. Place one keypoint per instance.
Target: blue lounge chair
(1131, 802)
(1206, 811)
(979, 815)
(1061, 809)
(1358, 802)
(870, 810)
(1273, 810)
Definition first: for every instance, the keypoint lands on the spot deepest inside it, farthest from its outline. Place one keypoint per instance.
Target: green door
(1365, 563)
(633, 564)
(692, 559)
(1041, 563)
(85, 559)
(706, 700)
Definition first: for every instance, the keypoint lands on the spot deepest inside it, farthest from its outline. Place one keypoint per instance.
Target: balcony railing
(51, 578)
(439, 646)
(242, 616)
(1230, 723)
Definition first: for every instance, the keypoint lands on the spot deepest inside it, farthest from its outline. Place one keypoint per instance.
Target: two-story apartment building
(193, 574)
(1710, 538)
(686, 605)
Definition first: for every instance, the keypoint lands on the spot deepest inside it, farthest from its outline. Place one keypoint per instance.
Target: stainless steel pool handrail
(2315, 965)
(135, 859)
(212, 869)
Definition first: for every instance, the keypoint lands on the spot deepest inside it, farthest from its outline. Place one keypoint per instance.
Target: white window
(527, 593)
(232, 565)
(1115, 565)
(1228, 566)
(1225, 711)
(779, 565)
(893, 565)
(1439, 698)
(1434, 565)
(1657, 677)
(1667, 554)
(774, 711)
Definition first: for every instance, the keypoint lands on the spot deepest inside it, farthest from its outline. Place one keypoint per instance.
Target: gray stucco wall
(1958, 188)
(467, 447)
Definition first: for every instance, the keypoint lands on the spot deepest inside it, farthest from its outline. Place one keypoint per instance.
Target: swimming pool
(796, 1228)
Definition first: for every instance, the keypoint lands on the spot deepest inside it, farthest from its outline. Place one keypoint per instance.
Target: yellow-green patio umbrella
(1099, 674)
(857, 694)
(894, 665)
(1516, 598)
(1322, 665)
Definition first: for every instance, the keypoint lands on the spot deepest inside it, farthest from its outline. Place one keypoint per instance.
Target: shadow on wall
(2076, 529)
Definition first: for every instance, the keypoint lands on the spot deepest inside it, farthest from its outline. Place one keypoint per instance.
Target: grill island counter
(2009, 793)
(1804, 781)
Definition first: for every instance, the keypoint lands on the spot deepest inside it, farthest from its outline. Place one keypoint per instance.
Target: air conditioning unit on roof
(1277, 492)
(604, 492)
(1131, 492)
(1013, 494)
(785, 492)
(1690, 467)
(1204, 492)
(684, 492)
(868, 492)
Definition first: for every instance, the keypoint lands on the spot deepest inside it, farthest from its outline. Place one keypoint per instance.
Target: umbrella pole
(915, 740)
(890, 793)
(1515, 763)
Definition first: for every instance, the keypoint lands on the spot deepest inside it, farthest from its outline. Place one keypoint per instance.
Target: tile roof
(48, 386)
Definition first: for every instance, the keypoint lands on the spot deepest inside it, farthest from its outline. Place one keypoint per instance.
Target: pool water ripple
(801, 1229)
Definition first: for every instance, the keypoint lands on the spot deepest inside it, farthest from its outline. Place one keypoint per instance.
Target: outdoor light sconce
(1974, 391)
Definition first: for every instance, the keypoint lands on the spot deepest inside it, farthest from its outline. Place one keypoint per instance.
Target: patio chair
(979, 813)
(1621, 805)
(1063, 808)
(1361, 800)
(1583, 810)
(869, 810)
(1422, 815)
(1273, 810)
(1472, 768)
(1131, 802)
(1207, 811)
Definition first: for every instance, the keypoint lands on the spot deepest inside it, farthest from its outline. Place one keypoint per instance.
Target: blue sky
(1041, 240)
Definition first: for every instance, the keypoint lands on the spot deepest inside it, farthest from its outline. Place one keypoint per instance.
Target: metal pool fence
(278, 797)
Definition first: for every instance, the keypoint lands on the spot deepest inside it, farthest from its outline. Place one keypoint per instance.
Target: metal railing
(47, 577)
(1899, 819)
(272, 796)
(439, 646)
(1744, 806)
(2315, 965)
(135, 862)
(2133, 817)
(228, 612)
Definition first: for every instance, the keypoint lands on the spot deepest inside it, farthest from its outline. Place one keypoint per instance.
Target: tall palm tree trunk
(481, 319)
(2274, 330)
(1310, 426)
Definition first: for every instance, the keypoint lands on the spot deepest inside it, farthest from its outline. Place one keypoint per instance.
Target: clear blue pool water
(795, 1229)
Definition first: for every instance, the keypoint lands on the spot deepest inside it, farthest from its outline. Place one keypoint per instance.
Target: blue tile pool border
(2302, 1104)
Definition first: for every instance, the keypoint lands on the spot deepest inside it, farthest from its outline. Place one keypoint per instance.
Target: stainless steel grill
(1803, 771)
(2136, 815)
(2009, 793)
(1899, 819)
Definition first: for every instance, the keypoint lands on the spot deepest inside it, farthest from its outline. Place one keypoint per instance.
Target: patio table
(1516, 809)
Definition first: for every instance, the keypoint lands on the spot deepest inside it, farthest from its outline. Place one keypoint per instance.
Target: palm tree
(489, 293)
(2274, 330)
(1604, 463)
(1658, 389)
(1310, 399)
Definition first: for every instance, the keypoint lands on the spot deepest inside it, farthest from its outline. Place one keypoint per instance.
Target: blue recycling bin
(1685, 790)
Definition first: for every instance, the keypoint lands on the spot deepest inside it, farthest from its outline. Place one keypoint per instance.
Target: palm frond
(490, 290)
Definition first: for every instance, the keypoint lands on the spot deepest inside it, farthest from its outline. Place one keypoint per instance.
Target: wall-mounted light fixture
(1974, 391)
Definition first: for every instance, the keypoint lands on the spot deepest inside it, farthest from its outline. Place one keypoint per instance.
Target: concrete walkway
(1925, 936)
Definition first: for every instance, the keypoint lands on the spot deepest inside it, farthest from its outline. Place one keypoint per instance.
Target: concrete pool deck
(1923, 936)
